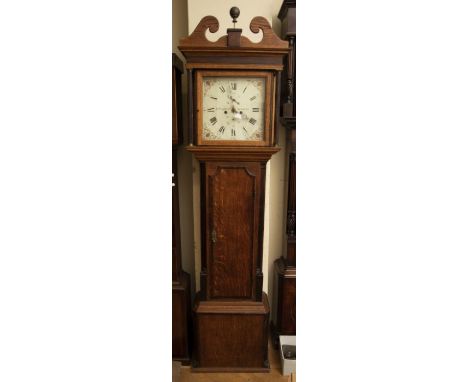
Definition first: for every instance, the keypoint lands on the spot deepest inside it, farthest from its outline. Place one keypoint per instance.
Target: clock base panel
(284, 319)
(231, 336)
(181, 320)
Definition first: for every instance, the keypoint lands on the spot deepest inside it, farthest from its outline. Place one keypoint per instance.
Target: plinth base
(284, 322)
(181, 319)
(231, 336)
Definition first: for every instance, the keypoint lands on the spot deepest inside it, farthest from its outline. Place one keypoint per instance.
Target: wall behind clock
(186, 15)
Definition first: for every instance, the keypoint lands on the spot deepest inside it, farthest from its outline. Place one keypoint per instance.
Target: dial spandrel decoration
(233, 108)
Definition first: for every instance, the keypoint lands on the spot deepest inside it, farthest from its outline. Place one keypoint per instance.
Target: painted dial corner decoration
(233, 108)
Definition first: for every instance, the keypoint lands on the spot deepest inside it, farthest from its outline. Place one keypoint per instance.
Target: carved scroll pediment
(198, 36)
(209, 23)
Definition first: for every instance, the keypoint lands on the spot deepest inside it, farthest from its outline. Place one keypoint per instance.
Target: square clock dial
(234, 108)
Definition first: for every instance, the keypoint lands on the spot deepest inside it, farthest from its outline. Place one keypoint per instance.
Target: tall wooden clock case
(181, 300)
(284, 314)
(234, 95)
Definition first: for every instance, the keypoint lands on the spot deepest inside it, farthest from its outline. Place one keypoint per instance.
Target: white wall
(275, 187)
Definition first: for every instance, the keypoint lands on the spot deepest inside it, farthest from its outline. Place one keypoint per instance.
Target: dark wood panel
(285, 296)
(179, 339)
(181, 300)
(177, 128)
(287, 310)
(291, 251)
(232, 335)
(291, 213)
(176, 253)
(285, 271)
(231, 341)
(230, 61)
(261, 216)
(234, 154)
(181, 319)
(245, 201)
(232, 229)
(287, 15)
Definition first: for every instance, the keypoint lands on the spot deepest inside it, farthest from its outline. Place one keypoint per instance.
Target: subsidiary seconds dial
(233, 108)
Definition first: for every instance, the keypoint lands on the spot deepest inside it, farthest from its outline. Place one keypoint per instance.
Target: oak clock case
(233, 101)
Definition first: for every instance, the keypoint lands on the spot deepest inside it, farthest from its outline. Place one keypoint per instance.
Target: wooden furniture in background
(181, 299)
(231, 313)
(284, 315)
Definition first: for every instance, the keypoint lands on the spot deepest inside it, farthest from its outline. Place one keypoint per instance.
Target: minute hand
(232, 99)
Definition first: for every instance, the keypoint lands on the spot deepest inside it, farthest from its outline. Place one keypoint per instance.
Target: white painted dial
(233, 108)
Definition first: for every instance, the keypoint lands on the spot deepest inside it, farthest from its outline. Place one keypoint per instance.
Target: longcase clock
(234, 90)
(181, 300)
(284, 313)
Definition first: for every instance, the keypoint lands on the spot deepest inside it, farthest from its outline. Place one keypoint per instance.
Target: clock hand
(238, 115)
(232, 99)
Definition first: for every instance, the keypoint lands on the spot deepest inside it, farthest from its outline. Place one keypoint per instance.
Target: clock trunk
(232, 200)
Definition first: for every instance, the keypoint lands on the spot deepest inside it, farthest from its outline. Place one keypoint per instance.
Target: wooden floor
(274, 375)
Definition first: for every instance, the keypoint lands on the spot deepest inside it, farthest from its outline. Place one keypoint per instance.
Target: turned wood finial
(234, 34)
(234, 12)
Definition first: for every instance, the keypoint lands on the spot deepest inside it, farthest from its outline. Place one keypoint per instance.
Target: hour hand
(232, 99)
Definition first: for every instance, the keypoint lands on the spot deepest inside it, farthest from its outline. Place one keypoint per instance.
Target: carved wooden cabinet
(234, 93)
(284, 315)
(181, 299)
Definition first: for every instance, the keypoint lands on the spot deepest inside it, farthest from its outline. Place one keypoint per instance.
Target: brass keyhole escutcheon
(213, 236)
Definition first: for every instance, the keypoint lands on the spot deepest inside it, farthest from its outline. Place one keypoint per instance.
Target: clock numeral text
(252, 98)
(221, 129)
(255, 109)
(213, 120)
(214, 98)
(233, 86)
(252, 121)
(244, 90)
(222, 89)
(233, 132)
(211, 109)
(244, 129)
